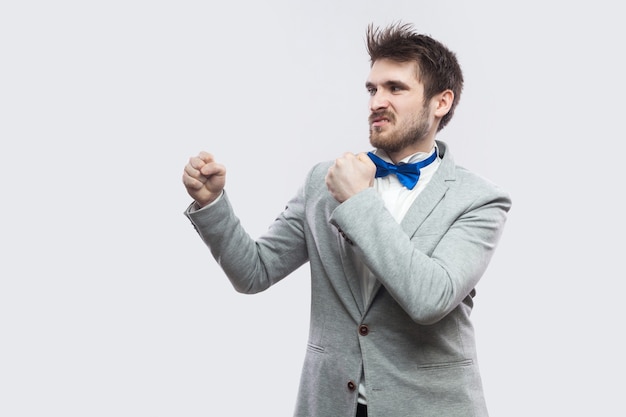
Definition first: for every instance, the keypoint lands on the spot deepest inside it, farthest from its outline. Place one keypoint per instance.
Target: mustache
(384, 114)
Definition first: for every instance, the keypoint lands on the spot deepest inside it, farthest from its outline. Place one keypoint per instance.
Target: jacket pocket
(314, 348)
(444, 365)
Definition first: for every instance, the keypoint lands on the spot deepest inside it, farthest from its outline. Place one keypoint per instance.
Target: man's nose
(378, 101)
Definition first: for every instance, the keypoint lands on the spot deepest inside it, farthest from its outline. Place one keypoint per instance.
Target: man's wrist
(200, 206)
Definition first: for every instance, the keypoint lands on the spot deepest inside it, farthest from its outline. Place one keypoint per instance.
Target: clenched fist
(204, 178)
(349, 175)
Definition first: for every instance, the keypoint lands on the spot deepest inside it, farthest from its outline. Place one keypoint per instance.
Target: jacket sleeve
(253, 266)
(429, 279)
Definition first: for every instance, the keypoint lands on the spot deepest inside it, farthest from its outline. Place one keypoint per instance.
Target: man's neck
(421, 146)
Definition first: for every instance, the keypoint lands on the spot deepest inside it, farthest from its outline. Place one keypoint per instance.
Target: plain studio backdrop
(110, 305)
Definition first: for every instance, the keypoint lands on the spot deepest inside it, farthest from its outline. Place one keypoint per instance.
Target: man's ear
(443, 103)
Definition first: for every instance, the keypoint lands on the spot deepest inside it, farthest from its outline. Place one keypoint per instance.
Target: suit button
(364, 330)
(351, 385)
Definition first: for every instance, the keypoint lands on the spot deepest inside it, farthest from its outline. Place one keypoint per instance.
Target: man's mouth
(378, 120)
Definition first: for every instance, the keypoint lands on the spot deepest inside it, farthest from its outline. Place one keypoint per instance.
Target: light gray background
(110, 305)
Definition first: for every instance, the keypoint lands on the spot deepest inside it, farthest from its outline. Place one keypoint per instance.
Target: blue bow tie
(408, 174)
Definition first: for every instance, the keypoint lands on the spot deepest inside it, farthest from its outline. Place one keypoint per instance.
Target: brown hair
(437, 66)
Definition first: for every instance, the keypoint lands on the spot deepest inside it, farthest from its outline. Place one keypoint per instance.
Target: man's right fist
(204, 178)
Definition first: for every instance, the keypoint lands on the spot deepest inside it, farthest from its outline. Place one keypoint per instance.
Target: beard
(402, 136)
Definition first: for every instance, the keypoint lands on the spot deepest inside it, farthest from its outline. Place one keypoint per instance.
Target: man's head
(437, 67)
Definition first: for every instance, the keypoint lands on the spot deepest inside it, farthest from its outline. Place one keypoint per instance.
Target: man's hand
(349, 175)
(204, 178)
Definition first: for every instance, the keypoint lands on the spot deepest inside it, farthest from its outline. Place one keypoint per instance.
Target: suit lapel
(428, 199)
(349, 260)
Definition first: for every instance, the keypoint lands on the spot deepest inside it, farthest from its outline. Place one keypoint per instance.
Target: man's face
(398, 119)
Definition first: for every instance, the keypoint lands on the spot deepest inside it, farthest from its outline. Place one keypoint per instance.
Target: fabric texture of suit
(413, 341)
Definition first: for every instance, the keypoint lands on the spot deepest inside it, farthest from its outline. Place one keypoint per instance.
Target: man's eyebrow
(388, 83)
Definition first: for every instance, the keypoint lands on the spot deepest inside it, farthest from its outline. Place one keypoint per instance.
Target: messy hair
(437, 66)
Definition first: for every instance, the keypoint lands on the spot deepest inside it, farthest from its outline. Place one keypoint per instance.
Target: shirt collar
(416, 157)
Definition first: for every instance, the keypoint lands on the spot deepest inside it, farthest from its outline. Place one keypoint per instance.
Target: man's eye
(371, 91)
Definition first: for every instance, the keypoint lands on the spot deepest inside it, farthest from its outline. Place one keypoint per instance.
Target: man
(393, 263)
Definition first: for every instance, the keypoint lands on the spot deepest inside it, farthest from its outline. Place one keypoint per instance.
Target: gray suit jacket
(414, 342)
